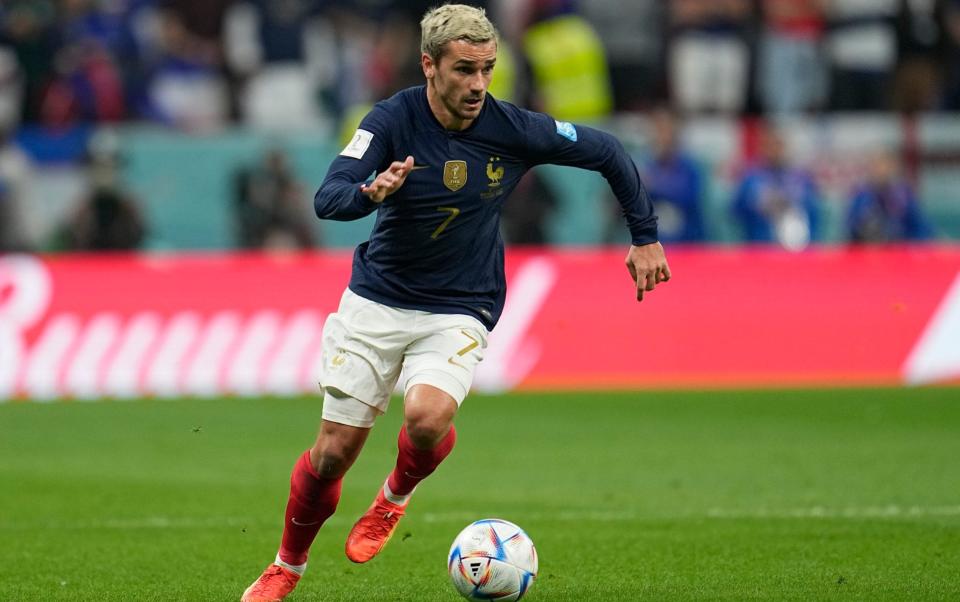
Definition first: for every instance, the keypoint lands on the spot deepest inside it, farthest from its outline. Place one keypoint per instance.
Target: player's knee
(428, 415)
(331, 464)
(426, 431)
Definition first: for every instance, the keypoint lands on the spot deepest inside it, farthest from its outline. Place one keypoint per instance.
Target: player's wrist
(643, 241)
(365, 199)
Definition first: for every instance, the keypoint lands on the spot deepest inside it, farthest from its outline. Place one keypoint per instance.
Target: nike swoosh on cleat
(299, 524)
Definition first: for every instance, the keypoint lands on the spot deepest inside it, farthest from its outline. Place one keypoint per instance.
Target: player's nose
(478, 84)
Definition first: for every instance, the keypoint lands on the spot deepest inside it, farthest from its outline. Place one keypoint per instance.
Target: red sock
(312, 500)
(414, 465)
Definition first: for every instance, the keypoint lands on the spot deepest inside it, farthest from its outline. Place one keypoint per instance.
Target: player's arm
(345, 193)
(560, 143)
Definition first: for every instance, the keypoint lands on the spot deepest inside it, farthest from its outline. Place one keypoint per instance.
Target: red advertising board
(128, 326)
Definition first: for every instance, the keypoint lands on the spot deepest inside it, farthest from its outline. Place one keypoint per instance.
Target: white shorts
(367, 345)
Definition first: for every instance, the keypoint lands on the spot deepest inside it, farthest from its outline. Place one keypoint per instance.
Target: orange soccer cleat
(374, 529)
(273, 585)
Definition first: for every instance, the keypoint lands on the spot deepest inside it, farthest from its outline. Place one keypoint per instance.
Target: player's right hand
(387, 182)
(648, 267)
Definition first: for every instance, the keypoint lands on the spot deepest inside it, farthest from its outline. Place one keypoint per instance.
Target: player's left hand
(387, 182)
(648, 267)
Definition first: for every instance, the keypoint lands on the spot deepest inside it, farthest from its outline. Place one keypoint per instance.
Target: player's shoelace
(387, 520)
(265, 582)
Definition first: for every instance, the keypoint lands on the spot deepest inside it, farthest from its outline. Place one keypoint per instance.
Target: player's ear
(429, 67)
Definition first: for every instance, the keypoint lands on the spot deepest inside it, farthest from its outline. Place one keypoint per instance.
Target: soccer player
(429, 284)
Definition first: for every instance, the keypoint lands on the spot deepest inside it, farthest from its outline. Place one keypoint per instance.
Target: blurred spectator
(394, 62)
(15, 174)
(526, 213)
(674, 182)
(885, 208)
(791, 75)
(774, 202)
(923, 48)
(185, 87)
(572, 82)
(951, 100)
(505, 84)
(15, 168)
(709, 54)
(285, 56)
(270, 206)
(11, 90)
(862, 53)
(9, 232)
(204, 24)
(634, 42)
(108, 217)
(203, 20)
(111, 26)
(29, 28)
(86, 87)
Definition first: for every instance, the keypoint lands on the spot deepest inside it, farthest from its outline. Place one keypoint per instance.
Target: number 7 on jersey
(453, 211)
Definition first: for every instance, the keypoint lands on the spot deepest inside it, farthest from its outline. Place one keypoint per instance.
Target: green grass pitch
(783, 495)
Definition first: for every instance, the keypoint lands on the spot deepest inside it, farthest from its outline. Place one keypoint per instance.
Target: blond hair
(454, 22)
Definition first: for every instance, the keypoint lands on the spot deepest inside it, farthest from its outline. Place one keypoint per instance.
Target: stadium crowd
(286, 64)
(199, 64)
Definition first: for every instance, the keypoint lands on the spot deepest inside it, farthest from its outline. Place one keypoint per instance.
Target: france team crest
(567, 130)
(455, 174)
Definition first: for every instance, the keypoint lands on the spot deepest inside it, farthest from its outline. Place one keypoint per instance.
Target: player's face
(457, 83)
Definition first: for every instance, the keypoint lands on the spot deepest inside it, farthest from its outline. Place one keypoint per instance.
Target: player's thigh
(346, 410)
(363, 346)
(445, 355)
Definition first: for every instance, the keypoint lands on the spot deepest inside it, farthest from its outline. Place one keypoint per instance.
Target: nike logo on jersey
(416, 167)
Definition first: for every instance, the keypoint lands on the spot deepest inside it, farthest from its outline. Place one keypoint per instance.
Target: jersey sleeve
(339, 197)
(562, 143)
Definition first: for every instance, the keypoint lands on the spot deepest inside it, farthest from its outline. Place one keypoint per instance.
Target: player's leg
(315, 489)
(315, 485)
(363, 345)
(439, 368)
(427, 437)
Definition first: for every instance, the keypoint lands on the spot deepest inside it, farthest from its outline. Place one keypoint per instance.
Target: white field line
(854, 512)
(801, 513)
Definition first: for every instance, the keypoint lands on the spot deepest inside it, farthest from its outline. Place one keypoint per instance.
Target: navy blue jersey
(436, 244)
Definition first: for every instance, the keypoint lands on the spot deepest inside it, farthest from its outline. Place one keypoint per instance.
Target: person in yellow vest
(568, 63)
(503, 86)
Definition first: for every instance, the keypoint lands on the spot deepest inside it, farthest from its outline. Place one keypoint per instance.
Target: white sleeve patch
(358, 144)
(567, 130)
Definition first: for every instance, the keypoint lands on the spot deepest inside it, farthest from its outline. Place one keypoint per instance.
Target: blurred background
(158, 160)
(803, 156)
(177, 125)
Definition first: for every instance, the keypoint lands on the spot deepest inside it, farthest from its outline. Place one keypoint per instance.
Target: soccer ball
(492, 559)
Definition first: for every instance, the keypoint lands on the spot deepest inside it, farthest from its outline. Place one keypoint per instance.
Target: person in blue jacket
(775, 202)
(674, 181)
(884, 208)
